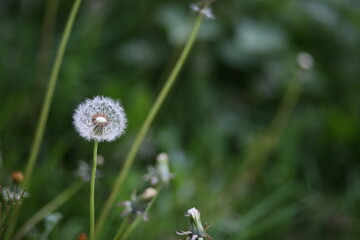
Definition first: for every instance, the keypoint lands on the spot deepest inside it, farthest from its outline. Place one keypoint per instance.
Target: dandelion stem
(92, 192)
(48, 208)
(146, 125)
(49, 94)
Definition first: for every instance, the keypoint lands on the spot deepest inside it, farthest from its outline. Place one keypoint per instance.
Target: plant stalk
(40, 128)
(92, 192)
(48, 208)
(136, 222)
(146, 125)
(121, 228)
(49, 94)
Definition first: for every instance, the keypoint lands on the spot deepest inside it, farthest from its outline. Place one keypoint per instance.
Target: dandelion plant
(100, 119)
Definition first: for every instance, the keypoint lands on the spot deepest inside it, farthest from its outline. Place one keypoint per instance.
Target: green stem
(265, 143)
(48, 208)
(146, 125)
(121, 228)
(272, 135)
(49, 94)
(40, 128)
(92, 192)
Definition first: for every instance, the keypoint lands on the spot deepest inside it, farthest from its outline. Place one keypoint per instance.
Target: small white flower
(100, 119)
(206, 11)
(203, 8)
(12, 196)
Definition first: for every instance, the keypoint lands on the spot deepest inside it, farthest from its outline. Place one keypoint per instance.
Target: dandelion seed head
(100, 119)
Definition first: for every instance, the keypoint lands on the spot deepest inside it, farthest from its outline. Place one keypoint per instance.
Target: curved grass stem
(48, 208)
(34, 152)
(121, 228)
(49, 94)
(146, 125)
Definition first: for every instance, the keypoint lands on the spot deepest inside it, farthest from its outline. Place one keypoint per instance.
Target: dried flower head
(202, 7)
(100, 119)
(161, 172)
(14, 196)
(197, 231)
(138, 204)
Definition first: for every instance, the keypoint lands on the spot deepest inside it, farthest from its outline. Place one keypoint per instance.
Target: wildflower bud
(149, 194)
(202, 7)
(161, 172)
(195, 222)
(138, 204)
(82, 236)
(305, 61)
(197, 231)
(162, 157)
(17, 176)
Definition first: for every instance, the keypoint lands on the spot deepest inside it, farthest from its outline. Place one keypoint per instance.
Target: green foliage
(306, 186)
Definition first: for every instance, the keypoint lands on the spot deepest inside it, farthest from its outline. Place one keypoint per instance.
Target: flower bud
(17, 176)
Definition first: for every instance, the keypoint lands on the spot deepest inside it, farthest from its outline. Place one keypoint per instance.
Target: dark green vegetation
(299, 180)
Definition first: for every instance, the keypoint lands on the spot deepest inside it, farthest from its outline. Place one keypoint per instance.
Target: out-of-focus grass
(227, 95)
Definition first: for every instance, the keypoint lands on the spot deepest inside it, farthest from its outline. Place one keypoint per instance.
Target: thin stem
(92, 192)
(40, 128)
(49, 94)
(146, 125)
(136, 222)
(272, 135)
(121, 228)
(12, 221)
(47, 36)
(265, 143)
(48, 208)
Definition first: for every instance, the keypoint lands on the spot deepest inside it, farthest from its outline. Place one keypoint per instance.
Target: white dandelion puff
(100, 119)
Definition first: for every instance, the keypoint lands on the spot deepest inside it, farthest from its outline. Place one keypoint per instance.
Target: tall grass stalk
(45, 108)
(261, 148)
(121, 228)
(48, 208)
(146, 125)
(265, 143)
(49, 94)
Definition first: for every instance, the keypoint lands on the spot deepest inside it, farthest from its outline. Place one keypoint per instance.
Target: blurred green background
(301, 182)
